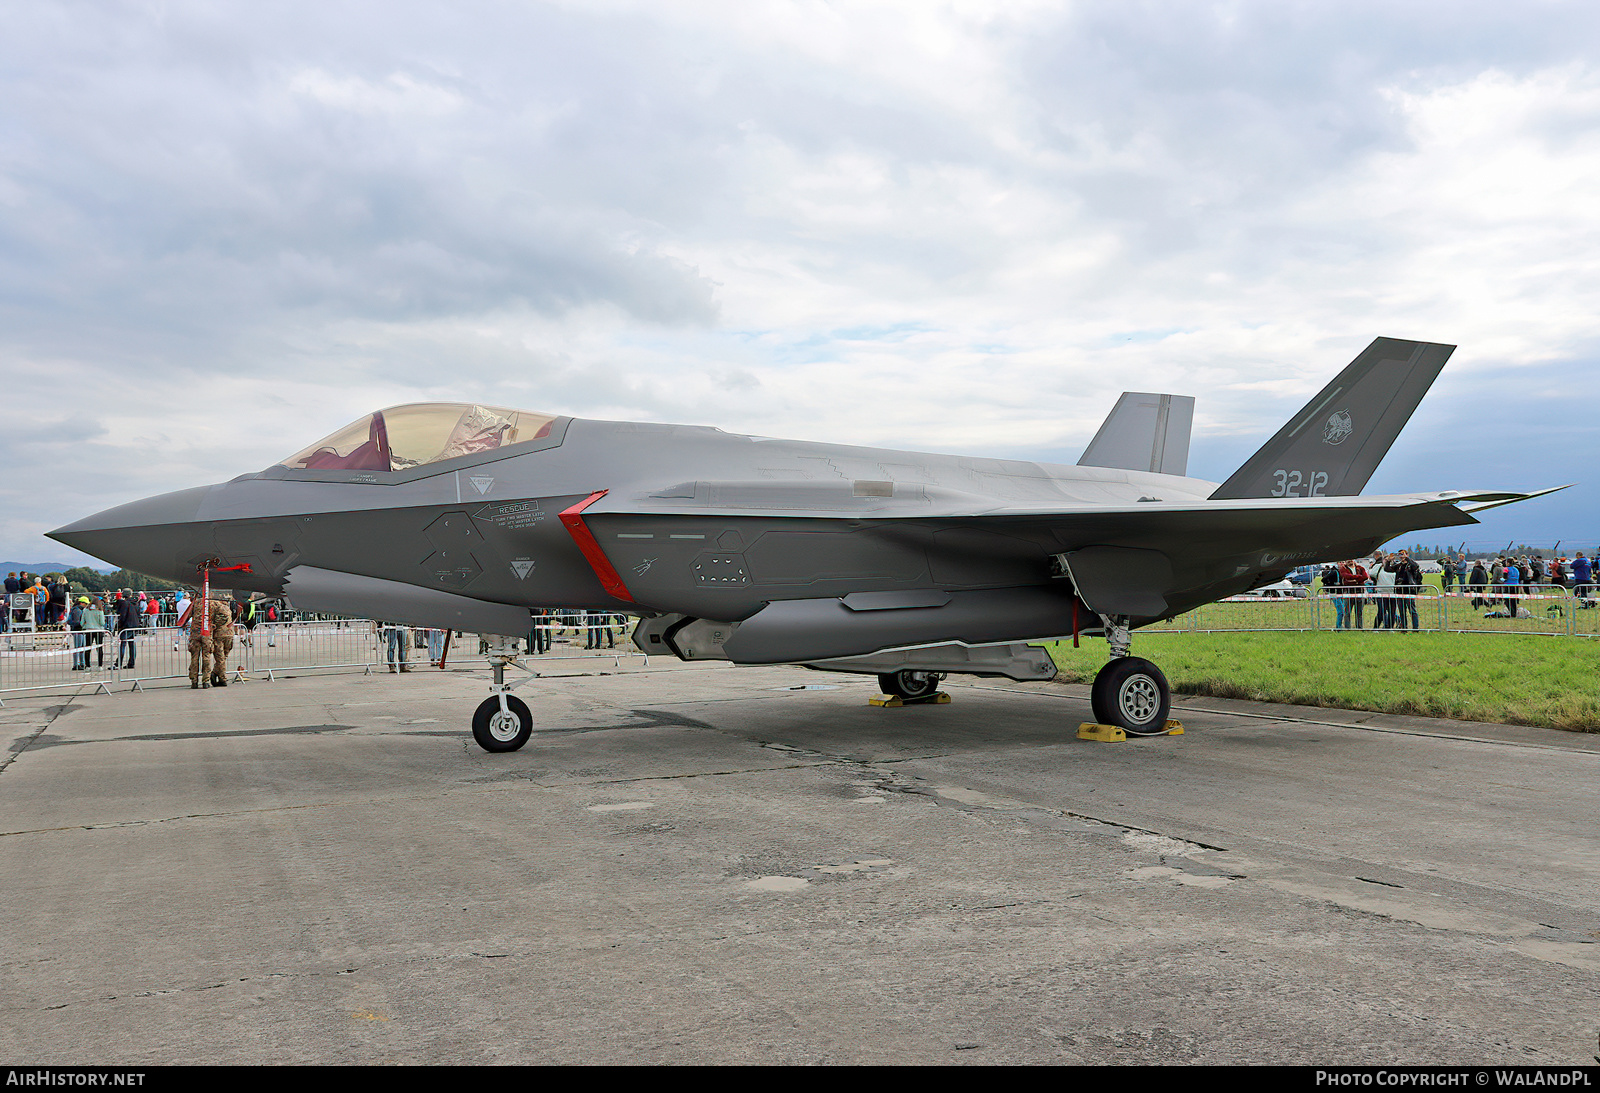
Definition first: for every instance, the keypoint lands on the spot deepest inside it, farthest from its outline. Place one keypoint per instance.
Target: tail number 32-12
(1289, 483)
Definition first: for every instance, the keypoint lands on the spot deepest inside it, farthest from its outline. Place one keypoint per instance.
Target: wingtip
(1509, 498)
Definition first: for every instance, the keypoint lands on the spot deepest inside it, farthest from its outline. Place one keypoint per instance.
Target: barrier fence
(1520, 609)
(55, 660)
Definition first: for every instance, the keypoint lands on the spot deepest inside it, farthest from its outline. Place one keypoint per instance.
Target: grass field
(1509, 678)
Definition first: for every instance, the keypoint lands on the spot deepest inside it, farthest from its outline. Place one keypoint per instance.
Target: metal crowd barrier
(1540, 609)
(274, 647)
(1238, 613)
(56, 660)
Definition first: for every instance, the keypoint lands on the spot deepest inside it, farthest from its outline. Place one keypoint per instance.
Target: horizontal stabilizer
(1482, 501)
(1332, 446)
(1144, 432)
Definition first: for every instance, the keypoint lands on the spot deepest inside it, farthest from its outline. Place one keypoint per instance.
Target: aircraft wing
(1148, 559)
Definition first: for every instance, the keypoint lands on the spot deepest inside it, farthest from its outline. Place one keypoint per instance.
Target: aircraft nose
(156, 536)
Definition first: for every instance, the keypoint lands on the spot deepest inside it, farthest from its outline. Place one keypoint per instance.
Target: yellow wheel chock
(1088, 730)
(937, 698)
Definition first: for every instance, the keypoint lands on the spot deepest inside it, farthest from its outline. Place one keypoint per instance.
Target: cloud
(227, 230)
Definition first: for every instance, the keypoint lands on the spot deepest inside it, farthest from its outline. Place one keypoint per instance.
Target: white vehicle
(1278, 590)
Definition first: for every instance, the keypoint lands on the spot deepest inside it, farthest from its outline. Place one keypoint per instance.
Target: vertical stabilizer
(1332, 446)
(1144, 432)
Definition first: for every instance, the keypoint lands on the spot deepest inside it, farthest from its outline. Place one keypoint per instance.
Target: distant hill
(45, 567)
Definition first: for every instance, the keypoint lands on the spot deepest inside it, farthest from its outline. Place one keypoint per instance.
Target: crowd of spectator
(1476, 578)
(1391, 583)
(53, 601)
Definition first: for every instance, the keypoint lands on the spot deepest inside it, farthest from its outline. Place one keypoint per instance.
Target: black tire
(494, 732)
(909, 684)
(1132, 694)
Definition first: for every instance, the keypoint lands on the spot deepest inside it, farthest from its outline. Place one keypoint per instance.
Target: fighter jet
(905, 565)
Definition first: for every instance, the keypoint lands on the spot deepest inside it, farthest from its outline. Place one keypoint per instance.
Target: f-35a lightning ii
(904, 565)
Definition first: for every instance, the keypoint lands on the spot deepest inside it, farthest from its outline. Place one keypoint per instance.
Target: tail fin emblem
(1338, 429)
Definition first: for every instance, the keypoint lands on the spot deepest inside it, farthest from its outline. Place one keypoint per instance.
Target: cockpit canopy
(402, 437)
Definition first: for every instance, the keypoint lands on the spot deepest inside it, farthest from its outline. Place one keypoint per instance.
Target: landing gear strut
(1129, 692)
(910, 684)
(503, 721)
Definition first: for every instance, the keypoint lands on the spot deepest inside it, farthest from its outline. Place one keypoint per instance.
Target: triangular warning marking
(481, 483)
(522, 567)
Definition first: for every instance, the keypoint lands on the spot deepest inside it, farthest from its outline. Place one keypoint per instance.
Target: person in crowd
(1407, 587)
(94, 626)
(152, 608)
(1478, 582)
(1383, 587)
(126, 621)
(1558, 572)
(1536, 569)
(41, 599)
(435, 647)
(80, 640)
(1351, 594)
(1582, 575)
(13, 586)
(1509, 585)
(540, 634)
(398, 639)
(249, 617)
(1447, 573)
(1331, 587)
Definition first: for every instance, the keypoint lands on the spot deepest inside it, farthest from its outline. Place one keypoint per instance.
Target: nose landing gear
(503, 721)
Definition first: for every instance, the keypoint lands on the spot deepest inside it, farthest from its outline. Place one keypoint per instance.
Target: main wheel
(499, 730)
(909, 684)
(1132, 694)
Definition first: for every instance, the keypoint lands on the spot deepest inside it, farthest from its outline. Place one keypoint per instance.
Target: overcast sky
(228, 229)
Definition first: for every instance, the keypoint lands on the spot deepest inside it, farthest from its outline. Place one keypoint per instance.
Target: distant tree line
(83, 579)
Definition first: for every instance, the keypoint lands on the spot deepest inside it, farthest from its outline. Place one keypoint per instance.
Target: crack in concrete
(18, 748)
(221, 734)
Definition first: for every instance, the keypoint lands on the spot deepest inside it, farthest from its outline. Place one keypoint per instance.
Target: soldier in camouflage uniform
(221, 640)
(199, 648)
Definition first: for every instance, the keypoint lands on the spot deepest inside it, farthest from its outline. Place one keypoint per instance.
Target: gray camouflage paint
(778, 535)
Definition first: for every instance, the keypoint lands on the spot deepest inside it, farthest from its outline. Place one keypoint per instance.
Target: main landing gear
(909, 684)
(1129, 692)
(503, 721)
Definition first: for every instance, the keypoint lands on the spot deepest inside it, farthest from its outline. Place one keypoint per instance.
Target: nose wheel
(502, 725)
